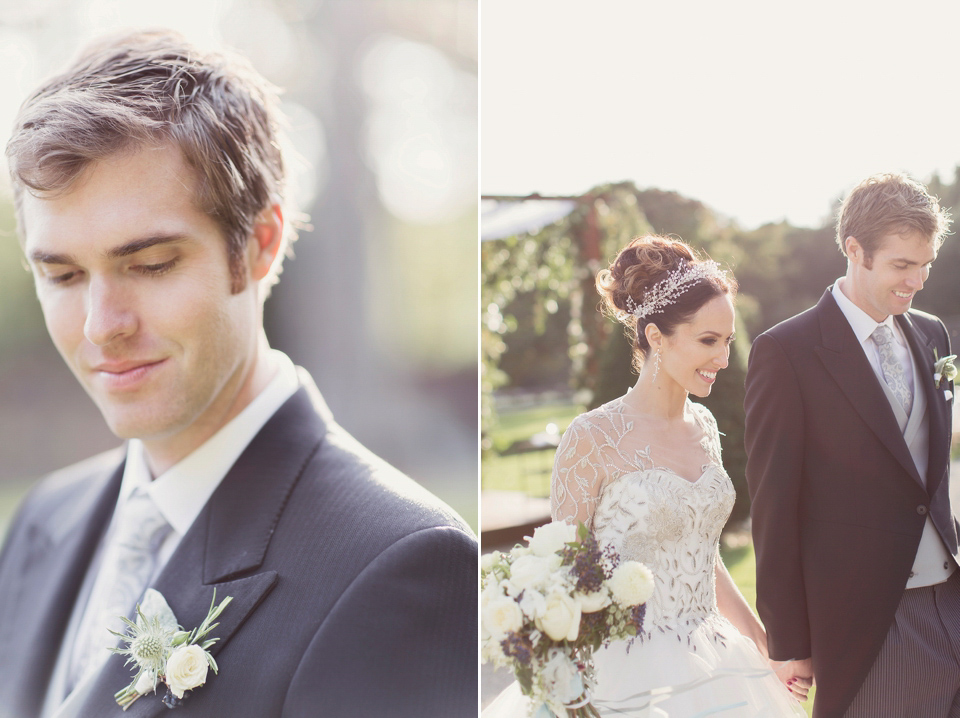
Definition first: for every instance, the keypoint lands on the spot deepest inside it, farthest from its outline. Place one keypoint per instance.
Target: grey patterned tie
(891, 368)
(128, 563)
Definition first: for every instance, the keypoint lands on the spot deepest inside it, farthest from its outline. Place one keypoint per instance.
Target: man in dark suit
(848, 435)
(149, 186)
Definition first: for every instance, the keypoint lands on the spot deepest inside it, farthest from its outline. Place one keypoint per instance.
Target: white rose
(631, 583)
(186, 669)
(593, 602)
(531, 572)
(501, 616)
(561, 617)
(561, 678)
(551, 538)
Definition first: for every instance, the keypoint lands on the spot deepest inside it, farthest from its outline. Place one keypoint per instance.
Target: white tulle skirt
(708, 670)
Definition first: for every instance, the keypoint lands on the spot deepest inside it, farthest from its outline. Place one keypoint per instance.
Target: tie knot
(883, 335)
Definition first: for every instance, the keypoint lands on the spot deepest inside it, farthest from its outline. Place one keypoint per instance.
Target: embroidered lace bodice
(608, 476)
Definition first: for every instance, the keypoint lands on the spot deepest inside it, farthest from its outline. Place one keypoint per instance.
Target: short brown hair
(149, 88)
(889, 203)
(638, 267)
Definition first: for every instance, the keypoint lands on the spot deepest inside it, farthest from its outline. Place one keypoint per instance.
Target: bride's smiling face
(700, 348)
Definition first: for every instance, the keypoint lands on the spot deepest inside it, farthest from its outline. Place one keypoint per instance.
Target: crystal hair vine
(667, 290)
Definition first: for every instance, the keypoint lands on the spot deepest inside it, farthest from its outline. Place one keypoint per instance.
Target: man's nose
(917, 278)
(109, 315)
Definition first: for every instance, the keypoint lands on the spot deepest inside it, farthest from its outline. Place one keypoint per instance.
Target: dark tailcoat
(354, 590)
(838, 506)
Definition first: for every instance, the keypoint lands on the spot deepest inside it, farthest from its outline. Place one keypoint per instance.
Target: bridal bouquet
(546, 607)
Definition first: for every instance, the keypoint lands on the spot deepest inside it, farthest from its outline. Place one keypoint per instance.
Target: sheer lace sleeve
(711, 433)
(578, 473)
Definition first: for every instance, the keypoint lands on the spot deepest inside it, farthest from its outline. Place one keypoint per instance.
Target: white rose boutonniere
(187, 669)
(164, 653)
(944, 370)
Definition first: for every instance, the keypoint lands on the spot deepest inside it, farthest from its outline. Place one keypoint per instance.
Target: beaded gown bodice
(608, 476)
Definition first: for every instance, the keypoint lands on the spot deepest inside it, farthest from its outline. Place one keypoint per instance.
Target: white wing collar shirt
(179, 494)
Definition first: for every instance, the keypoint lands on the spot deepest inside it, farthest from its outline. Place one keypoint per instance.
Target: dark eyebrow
(138, 245)
(124, 250)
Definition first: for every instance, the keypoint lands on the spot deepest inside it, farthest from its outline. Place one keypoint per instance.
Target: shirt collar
(181, 492)
(863, 324)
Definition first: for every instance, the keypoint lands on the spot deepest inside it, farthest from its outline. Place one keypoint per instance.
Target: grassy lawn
(530, 473)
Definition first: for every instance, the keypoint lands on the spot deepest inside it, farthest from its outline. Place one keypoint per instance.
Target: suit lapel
(226, 545)
(54, 566)
(844, 358)
(922, 347)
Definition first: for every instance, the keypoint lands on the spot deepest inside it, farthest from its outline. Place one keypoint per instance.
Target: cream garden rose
(532, 572)
(561, 617)
(593, 602)
(501, 616)
(631, 583)
(186, 669)
(551, 538)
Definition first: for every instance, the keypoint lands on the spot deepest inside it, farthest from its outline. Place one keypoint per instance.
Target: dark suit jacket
(354, 590)
(838, 507)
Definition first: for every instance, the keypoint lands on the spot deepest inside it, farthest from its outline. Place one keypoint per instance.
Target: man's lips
(125, 366)
(125, 375)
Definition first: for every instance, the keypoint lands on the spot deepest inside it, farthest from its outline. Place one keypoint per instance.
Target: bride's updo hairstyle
(627, 283)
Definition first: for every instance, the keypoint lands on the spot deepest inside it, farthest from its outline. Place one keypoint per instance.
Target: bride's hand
(797, 676)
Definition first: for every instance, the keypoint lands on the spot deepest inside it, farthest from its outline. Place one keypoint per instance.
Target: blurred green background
(380, 301)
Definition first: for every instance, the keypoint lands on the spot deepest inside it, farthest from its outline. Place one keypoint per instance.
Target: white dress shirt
(864, 325)
(180, 493)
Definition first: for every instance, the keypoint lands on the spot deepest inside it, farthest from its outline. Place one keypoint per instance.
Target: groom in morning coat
(148, 185)
(848, 437)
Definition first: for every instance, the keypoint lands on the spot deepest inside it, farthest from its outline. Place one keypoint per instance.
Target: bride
(644, 473)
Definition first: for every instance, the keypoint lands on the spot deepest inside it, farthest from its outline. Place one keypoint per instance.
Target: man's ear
(265, 241)
(853, 249)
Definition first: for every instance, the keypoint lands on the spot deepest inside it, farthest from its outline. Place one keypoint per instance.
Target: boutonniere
(162, 652)
(944, 370)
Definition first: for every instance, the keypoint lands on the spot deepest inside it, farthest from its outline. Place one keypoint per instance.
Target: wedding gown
(608, 477)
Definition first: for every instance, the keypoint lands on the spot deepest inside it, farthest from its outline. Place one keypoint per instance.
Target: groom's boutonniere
(944, 370)
(162, 652)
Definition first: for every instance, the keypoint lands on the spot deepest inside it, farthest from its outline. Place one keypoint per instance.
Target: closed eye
(62, 278)
(154, 270)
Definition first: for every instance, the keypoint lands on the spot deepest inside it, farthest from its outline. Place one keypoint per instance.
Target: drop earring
(656, 363)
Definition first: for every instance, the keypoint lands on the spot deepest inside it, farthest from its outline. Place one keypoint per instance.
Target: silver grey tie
(891, 368)
(128, 563)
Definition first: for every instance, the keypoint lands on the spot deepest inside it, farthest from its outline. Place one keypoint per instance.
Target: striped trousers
(917, 672)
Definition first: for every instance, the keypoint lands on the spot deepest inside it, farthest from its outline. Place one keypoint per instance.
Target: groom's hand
(797, 676)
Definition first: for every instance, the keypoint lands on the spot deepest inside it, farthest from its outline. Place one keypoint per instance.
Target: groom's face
(135, 287)
(886, 282)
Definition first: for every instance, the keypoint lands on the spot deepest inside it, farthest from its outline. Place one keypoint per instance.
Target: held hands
(797, 676)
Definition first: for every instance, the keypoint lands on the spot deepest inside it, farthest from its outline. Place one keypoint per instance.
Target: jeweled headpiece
(667, 290)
